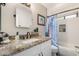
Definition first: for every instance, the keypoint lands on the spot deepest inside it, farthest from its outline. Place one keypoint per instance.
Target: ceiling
(48, 5)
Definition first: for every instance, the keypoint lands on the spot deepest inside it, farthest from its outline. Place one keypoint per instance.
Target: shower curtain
(51, 29)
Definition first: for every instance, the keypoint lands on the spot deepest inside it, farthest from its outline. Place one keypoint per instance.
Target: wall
(62, 36)
(72, 32)
(69, 38)
(8, 21)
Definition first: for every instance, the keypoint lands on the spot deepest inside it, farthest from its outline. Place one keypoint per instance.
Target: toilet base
(54, 50)
(55, 54)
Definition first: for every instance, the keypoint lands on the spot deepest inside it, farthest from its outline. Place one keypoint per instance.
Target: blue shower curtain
(51, 25)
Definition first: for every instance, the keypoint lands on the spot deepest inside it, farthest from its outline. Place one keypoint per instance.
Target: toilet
(54, 50)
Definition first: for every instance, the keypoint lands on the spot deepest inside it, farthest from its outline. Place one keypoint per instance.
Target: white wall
(70, 38)
(8, 21)
(72, 32)
(62, 36)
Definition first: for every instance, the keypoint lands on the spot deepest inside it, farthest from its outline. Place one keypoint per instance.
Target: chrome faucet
(28, 35)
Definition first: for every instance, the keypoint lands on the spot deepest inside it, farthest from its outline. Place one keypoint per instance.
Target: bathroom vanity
(43, 49)
(29, 47)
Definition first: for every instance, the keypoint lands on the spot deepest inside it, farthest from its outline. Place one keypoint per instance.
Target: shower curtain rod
(64, 11)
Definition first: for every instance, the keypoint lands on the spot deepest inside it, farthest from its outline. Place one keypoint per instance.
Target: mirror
(0, 16)
(23, 17)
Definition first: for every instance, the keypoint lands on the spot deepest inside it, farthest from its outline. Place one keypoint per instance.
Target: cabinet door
(38, 50)
(34, 51)
(46, 48)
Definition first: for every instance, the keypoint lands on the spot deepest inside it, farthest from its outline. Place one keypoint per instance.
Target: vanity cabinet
(43, 49)
(46, 48)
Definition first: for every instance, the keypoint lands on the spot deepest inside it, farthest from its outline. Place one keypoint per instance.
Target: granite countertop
(17, 46)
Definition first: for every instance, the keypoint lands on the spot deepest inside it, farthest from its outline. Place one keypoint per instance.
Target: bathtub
(66, 51)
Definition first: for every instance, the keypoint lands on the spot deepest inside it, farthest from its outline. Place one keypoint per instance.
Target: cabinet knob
(40, 54)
